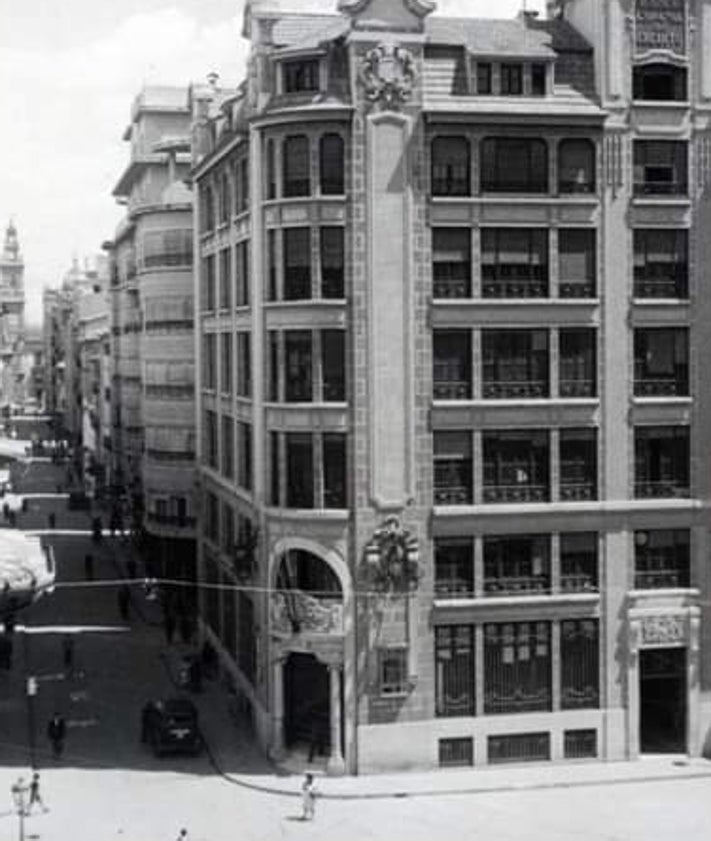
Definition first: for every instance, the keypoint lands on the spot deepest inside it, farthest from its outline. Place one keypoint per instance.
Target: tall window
(579, 664)
(244, 364)
(211, 445)
(208, 283)
(271, 169)
(538, 79)
(450, 166)
(228, 447)
(661, 361)
(299, 470)
(660, 263)
(297, 264)
(516, 466)
(209, 361)
(578, 464)
(226, 278)
(301, 76)
(454, 670)
(272, 270)
(483, 78)
(576, 263)
(332, 262)
(452, 468)
(297, 166)
(298, 366)
(662, 461)
(514, 262)
(334, 470)
(242, 274)
(241, 191)
(576, 166)
(224, 198)
(514, 165)
(207, 208)
(452, 374)
(517, 566)
(333, 365)
(454, 567)
(332, 165)
(515, 364)
(517, 667)
(167, 248)
(661, 559)
(226, 360)
(244, 455)
(451, 262)
(660, 167)
(577, 376)
(579, 562)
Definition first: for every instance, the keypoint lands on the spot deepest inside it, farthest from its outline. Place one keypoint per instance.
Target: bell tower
(12, 317)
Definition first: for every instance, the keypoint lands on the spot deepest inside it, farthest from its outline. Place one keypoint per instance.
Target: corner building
(453, 414)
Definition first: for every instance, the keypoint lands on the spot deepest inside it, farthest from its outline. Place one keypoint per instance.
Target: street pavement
(108, 786)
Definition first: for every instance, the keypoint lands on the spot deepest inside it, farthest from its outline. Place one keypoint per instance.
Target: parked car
(171, 726)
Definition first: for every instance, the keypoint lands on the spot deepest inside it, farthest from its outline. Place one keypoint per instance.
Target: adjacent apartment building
(152, 389)
(453, 415)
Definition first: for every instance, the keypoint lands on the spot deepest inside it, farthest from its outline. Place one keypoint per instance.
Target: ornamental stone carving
(294, 612)
(663, 630)
(387, 73)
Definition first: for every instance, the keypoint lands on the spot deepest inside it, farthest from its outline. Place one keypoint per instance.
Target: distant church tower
(12, 319)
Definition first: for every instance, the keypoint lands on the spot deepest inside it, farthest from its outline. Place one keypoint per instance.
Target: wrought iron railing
(507, 390)
(578, 491)
(517, 585)
(576, 388)
(667, 387)
(516, 493)
(668, 488)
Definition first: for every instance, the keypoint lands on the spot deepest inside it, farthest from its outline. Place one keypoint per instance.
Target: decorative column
(336, 764)
(277, 751)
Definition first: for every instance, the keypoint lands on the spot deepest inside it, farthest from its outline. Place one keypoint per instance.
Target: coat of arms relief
(387, 73)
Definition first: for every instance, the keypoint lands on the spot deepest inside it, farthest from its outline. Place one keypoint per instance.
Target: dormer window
(538, 79)
(483, 78)
(511, 79)
(301, 76)
(659, 83)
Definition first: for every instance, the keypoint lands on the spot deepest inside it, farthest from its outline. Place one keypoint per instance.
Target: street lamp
(20, 790)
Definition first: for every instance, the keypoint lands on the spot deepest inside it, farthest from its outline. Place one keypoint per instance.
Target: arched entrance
(307, 629)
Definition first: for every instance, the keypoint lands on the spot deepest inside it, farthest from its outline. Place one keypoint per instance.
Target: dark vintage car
(171, 726)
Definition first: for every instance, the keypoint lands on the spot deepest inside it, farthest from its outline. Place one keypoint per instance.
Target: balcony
(671, 488)
(512, 390)
(532, 287)
(452, 288)
(661, 579)
(578, 582)
(453, 495)
(515, 493)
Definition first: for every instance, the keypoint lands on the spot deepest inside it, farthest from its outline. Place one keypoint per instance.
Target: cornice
(417, 7)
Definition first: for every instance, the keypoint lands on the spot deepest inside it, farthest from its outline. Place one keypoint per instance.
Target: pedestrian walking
(68, 654)
(57, 732)
(308, 798)
(89, 567)
(124, 601)
(52, 519)
(35, 796)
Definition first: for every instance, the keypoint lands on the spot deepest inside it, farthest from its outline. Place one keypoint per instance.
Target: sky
(69, 70)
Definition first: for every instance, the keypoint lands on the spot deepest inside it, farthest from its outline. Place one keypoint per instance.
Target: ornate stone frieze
(294, 612)
(664, 629)
(387, 73)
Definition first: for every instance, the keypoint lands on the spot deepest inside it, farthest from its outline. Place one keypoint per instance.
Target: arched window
(331, 164)
(450, 166)
(576, 166)
(297, 166)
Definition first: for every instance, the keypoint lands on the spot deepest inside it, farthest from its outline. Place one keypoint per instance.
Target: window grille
(456, 753)
(519, 747)
(580, 744)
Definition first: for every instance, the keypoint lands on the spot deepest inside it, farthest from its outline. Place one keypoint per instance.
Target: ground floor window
(517, 667)
(519, 747)
(455, 753)
(580, 664)
(454, 672)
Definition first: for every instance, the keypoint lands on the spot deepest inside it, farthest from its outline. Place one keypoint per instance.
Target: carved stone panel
(663, 629)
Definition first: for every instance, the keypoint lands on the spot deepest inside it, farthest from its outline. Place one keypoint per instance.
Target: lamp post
(19, 792)
(31, 694)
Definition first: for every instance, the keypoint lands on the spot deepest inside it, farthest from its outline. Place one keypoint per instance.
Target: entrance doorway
(307, 704)
(662, 700)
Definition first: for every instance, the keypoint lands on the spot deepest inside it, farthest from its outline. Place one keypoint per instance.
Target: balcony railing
(667, 387)
(451, 288)
(454, 587)
(578, 491)
(515, 288)
(576, 388)
(662, 287)
(578, 582)
(516, 493)
(451, 390)
(295, 612)
(670, 488)
(453, 495)
(660, 579)
(576, 289)
(519, 585)
(511, 389)
(660, 188)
